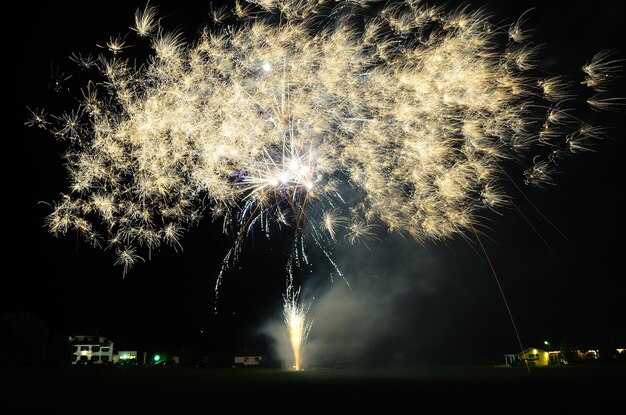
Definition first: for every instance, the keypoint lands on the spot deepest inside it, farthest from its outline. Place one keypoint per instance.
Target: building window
(105, 358)
(84, 348)
(95, 348)
(95, 358)
(84, 358)
(256, 359)
(104, 350)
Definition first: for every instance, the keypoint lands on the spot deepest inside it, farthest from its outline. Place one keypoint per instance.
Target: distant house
(598, 354)
(556, 358)
(587, 354)
(538, 357)
(511, 359)
(125, 357)
(91, 349)
(248, 360)
(535, 357)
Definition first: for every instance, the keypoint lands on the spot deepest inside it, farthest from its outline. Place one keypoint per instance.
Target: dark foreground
(93, 390)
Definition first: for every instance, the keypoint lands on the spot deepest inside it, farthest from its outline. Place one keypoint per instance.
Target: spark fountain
(297, 322)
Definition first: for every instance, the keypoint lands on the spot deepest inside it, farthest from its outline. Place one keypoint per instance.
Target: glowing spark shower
(332, 118)
(298, 325)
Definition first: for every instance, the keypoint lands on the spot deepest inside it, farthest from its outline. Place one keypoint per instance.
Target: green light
(547, 343)
(124, 357)
(156, 358)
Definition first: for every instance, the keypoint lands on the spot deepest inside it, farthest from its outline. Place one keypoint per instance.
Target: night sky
(437, 303)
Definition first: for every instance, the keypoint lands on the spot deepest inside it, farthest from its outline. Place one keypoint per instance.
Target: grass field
(93, 390)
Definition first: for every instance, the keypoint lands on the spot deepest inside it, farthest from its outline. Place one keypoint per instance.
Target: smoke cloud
(389, 310)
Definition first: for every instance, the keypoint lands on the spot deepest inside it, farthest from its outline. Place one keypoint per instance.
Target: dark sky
(434, 303)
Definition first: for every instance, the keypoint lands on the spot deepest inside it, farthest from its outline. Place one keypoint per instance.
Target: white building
(248, 360)
(91, 350)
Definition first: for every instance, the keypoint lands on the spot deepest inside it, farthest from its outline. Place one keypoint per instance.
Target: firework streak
(329, 118)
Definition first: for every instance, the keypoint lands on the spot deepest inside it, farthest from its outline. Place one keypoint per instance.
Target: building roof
(90, 339)
(532, 349)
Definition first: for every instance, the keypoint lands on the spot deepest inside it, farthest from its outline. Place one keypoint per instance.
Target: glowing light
(268, 122)
(298, 325)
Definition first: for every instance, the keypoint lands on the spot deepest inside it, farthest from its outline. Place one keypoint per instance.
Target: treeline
(26, 341)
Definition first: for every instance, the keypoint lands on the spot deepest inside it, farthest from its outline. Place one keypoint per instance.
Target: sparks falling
(283, 107)
(297, 322)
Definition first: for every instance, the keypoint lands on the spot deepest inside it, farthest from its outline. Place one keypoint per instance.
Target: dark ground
(94, 390)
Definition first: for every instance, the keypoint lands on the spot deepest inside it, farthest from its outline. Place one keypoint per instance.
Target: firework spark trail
(297, 322)
(265, 121)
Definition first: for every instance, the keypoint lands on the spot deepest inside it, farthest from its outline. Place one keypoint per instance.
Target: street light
(547, 343)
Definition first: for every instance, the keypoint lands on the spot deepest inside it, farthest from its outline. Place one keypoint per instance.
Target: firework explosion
(333, 119)
(298, 325)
